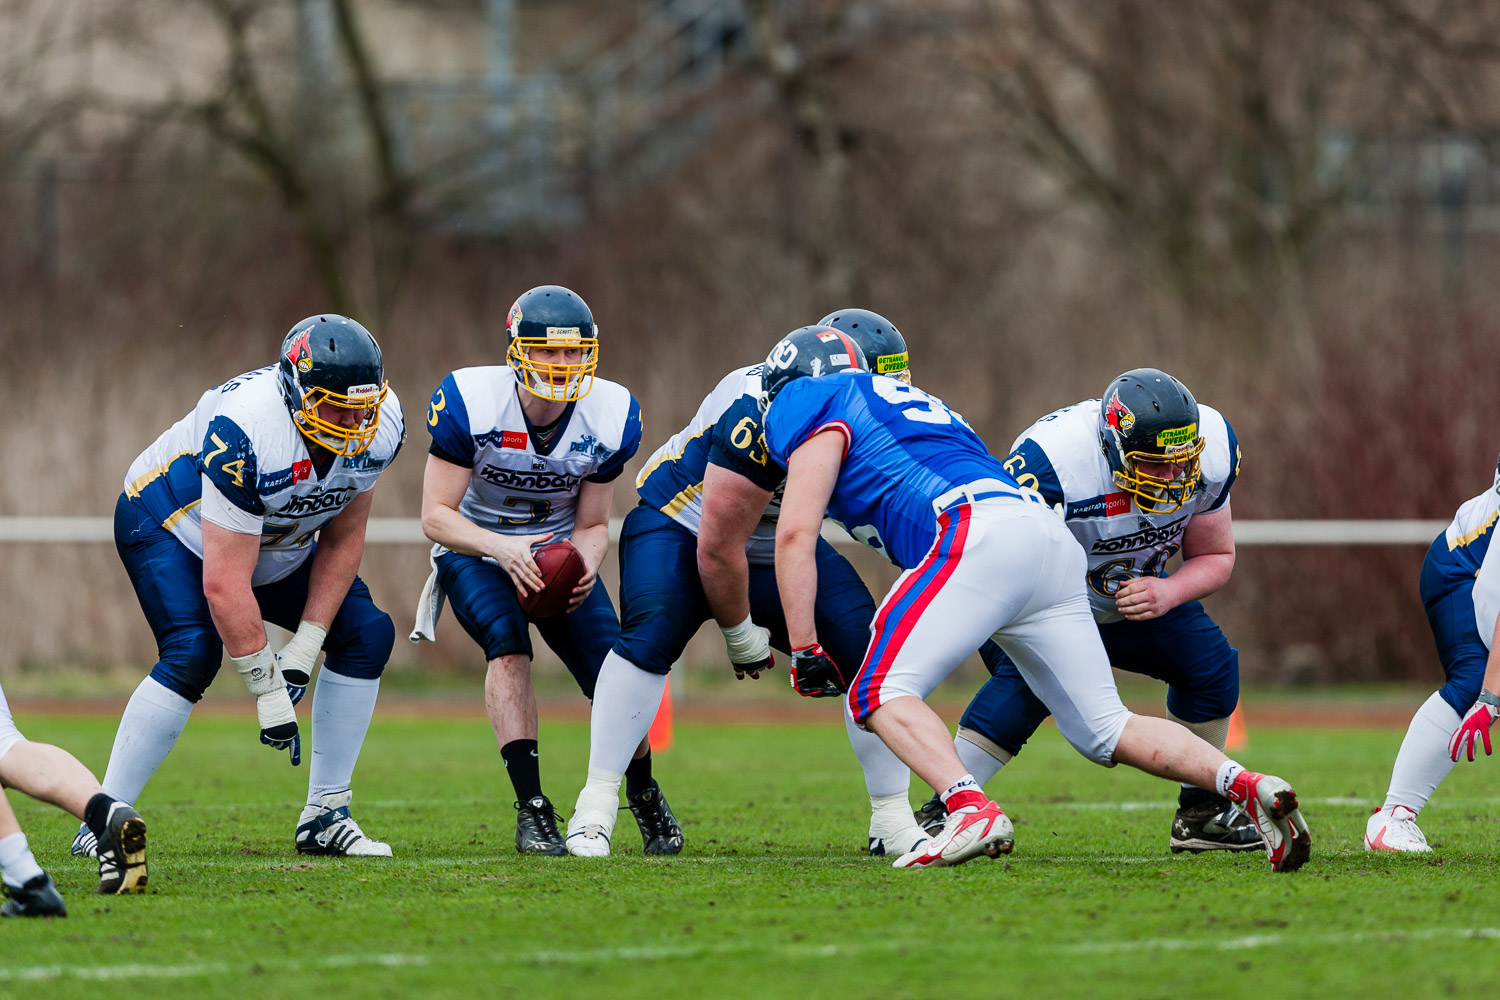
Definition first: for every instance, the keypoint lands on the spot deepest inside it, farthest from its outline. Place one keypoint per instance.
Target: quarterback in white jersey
(1460, 588)
(252, 508)
(1140, 475)
(521, 454)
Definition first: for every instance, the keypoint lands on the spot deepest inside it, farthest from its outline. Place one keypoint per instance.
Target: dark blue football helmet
(1148, 416)
(554, 318)
(877, 337)
(332, 359)
(808, 351)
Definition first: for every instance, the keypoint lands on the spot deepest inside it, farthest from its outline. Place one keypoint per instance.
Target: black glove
(283, 737)
(814, 674)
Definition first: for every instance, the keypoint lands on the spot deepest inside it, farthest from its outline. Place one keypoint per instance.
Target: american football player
(700, 545)
(252, 508)
(1140, 474)
(984, 557)
(524, 453)
(1460, 587)
(51, 774)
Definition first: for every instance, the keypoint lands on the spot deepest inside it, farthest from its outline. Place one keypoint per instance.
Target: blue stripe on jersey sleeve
(739, 445)
(1234, 469)
(630, 443)
(448, 423)
(228, 460)
(1030, 466)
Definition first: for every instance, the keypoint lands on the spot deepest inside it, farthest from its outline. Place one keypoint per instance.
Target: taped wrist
(259, 671)
(301, 652)
(747, 642)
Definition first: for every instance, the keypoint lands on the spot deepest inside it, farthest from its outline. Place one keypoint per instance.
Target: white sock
(890, 813)
(341, 711)
(154, 718)
(16, 861)
(983, 761)
(964, 784)
(1228, 771)
(885, 775)
(625, 702)
(1423, 762)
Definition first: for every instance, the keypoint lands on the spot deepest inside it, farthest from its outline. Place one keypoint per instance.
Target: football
(561, 567)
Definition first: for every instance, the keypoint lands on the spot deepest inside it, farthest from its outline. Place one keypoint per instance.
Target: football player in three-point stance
(51, 774)
(1140, 474)
(1460, 587)
(253, 508)
(700, 545)
(984, 558)
(524, 453)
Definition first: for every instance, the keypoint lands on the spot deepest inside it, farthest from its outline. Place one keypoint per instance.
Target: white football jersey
(242, 439)
(520, 485)
(1471, 554)
(727, 432)
(1060, 457)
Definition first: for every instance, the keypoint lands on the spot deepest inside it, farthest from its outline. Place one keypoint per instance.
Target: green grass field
(772, 896)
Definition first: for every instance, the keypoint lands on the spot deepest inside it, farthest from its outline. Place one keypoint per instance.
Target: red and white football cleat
(1395, 829)
(974, 826)
(1272, 804)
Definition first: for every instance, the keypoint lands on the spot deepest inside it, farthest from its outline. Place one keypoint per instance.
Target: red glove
(1475, 727)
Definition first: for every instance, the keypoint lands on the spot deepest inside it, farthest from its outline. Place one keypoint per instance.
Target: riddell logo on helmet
(1118, 415)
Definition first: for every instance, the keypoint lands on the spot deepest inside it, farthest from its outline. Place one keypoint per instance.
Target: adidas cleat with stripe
(327, 828)
(1272, 804)
(974, 826)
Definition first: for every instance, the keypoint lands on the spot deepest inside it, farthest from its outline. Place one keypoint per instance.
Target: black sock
(522, 765)
(638, 775)
(1190, 797)
(96, 813)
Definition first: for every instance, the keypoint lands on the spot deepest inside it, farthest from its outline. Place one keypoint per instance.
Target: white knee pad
(1214, 732)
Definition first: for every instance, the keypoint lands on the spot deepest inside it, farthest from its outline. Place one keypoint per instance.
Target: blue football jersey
(904, 449)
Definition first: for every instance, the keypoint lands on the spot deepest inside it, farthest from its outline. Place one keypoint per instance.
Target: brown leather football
(562, 567)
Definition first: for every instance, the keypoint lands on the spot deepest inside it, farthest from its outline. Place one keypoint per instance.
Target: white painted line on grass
(37, 973)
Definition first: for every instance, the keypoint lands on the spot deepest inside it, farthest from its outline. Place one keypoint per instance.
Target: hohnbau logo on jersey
(1118, 415)
(298, 354)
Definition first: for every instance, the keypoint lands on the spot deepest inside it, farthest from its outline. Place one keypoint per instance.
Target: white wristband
(301, 650)
(259, 671)
(747, 642)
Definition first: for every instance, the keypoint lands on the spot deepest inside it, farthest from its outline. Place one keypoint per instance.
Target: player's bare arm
(443, 488)
(229, 559)
(732, 507)
(1207, 562)
(335, 563)
(812, 471)
(591, 533)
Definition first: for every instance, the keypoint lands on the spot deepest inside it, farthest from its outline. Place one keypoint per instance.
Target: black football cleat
(1214, 826)
(659, 829)
(932, 815)
(122, 851)
(37, 898)
(536, 828)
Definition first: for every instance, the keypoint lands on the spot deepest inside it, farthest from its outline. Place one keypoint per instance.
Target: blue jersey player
(1140, 474)
(983, 558)
(524, 453)
(1460, 588)
(252, 508)
(700, 545)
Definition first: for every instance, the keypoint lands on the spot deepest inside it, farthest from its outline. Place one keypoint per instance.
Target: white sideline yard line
(38, 973)
(589, 956)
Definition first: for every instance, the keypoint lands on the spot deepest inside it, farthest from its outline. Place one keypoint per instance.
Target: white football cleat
(327, 828)
(974, 826)
(1272, 804)
(588, 833)
(1394, 828)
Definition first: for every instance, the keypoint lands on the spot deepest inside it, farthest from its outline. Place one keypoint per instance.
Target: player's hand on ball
(584, 588)
(513, 554)
(749, 648)
(1472, 731)
(814, 674)
(1144, 597)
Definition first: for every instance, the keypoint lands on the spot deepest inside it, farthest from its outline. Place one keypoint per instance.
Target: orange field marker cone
(1239, 736)
(660, 735)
